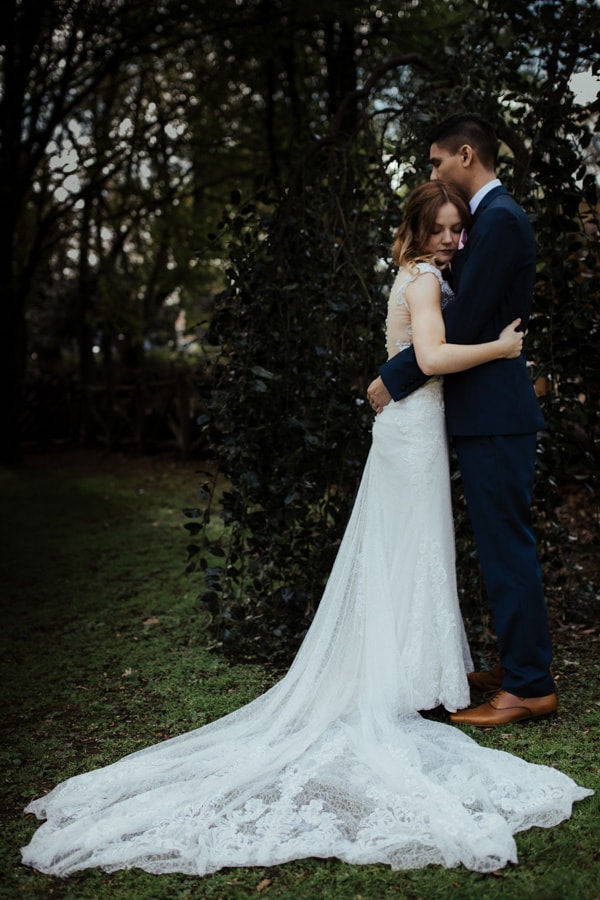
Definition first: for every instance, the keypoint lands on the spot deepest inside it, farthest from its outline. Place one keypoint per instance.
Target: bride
(335, 760)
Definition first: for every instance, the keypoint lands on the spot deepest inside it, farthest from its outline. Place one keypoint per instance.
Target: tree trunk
(12, 333)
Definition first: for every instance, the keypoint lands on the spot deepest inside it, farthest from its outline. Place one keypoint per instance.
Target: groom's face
(448, 167)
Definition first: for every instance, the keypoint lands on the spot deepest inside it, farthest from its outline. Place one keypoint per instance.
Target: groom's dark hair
(468, 128)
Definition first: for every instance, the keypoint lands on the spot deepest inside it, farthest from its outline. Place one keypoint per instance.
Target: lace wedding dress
(334, 760)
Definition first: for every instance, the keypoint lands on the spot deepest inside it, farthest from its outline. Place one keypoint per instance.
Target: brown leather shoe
(504, 708)
(487, 681)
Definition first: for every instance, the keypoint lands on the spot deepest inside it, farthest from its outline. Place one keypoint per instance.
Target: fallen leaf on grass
(263, 884)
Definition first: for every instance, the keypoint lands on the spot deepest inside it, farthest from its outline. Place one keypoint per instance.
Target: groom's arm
(398, 378)
(401, 374)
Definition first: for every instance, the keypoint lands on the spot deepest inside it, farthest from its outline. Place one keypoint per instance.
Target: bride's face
(445, 234)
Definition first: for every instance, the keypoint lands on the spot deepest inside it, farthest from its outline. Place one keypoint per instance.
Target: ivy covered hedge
(300, 332)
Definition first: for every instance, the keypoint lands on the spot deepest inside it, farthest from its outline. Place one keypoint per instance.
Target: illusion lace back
(334, 760)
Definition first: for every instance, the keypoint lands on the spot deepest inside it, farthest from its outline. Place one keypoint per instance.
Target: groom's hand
(378, 395)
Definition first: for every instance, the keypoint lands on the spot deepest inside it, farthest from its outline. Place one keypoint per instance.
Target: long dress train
(334, 760)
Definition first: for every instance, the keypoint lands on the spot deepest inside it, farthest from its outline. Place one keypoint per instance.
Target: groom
(493, 416)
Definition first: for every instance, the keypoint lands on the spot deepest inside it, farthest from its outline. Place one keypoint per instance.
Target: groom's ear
(466, 154)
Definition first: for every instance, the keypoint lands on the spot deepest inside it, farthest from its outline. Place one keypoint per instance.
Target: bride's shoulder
(413, 278)
(408, 275)
(425, 268)
(412, 271)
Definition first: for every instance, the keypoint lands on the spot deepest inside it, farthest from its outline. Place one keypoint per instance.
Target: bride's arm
(434, 355)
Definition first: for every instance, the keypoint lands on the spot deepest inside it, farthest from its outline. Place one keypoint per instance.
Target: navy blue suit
(493, 416)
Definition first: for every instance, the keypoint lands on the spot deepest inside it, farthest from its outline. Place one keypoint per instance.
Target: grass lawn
(104, 652)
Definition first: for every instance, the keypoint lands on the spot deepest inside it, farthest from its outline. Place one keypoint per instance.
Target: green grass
(104, 651)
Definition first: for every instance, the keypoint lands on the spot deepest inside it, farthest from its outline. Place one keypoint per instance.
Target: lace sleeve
(422, 268)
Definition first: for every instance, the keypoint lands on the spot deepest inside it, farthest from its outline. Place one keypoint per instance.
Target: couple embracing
(492, 415)
(336, 760)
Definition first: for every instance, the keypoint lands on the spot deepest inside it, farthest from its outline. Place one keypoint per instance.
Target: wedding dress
(334, 760)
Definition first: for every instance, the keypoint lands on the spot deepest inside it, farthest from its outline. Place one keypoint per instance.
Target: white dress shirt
(478, 197)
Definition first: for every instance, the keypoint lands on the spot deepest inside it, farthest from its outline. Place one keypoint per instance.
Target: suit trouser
(497, 475)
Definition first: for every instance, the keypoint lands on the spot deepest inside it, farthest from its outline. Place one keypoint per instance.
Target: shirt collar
(478, 197)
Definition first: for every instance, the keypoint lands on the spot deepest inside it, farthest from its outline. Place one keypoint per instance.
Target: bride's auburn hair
(422, 209)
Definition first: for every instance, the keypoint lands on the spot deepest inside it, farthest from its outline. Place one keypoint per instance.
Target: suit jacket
(493, 278)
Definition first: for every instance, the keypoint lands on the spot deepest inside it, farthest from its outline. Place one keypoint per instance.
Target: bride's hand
(511, 340)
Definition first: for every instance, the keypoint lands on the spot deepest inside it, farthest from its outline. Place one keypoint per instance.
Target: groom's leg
(497, 474)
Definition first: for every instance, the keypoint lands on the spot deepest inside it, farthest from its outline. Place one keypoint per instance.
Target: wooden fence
(143, 414)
